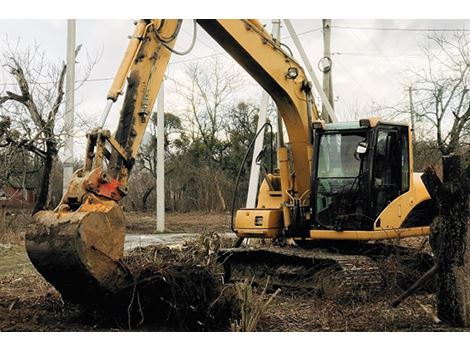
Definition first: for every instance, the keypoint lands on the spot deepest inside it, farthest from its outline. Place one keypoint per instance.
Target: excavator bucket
(79, 252)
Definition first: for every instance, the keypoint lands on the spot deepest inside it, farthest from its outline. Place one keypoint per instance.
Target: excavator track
(349, 272)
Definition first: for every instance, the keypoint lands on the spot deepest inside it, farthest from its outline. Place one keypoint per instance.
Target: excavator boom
(78, 247)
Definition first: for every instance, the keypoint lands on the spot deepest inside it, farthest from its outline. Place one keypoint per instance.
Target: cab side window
(405, 160)
(387, 178)
(387, 159)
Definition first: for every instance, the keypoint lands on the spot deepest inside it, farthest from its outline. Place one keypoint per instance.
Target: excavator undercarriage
(356, 270)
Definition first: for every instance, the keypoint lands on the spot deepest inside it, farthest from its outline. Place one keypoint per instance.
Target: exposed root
(175, 289)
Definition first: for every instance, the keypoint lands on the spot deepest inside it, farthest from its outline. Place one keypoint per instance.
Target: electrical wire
(380, 60)
(305, 32)
(111, 78)
(404, 29)
(354, 80)
(381, 54)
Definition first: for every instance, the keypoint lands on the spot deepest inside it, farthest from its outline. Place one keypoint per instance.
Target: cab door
(390, 167)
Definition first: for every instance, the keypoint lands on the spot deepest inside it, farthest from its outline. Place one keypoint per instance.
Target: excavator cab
(363, 183)
(362, 188)
(358, 171)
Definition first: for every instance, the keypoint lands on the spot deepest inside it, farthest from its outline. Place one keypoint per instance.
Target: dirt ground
(195, 222)
(29, 303)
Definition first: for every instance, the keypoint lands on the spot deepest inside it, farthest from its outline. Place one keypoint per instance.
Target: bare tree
(32, 109)
(440, 90)
(208, 95)
(441, 101)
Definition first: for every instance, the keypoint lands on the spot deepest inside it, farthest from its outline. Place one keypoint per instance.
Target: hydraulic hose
(166, 41)
(234, 198)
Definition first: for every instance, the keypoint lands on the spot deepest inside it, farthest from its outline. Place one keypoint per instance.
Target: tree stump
(449, 241)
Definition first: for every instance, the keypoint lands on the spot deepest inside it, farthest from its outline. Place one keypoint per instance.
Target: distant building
(13, 197)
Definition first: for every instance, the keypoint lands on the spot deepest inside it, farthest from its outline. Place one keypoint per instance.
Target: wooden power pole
(327, 65)
(412, 113)
(295, 38)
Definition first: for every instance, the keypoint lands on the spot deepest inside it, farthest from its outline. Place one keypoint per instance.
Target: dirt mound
(177, 288)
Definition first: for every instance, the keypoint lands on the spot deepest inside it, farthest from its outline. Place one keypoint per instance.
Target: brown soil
(194, 222)
(306, 313)
(17, 221)
(29, 303)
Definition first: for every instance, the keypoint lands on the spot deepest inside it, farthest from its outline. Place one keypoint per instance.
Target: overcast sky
(371, 58)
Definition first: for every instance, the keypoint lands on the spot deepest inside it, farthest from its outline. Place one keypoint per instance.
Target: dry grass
(252, 306)
(18, 220)
(16, 225)
(11, 236)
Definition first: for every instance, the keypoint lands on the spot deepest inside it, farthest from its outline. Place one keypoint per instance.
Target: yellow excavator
(345, 183)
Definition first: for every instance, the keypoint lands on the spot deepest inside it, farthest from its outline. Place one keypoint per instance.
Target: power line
(344, 53)
(305, 32)
(405, 29)
(76, 81)
(355, 81)
(171, 63)
(111, 78)
(358, 38)
(286, 37)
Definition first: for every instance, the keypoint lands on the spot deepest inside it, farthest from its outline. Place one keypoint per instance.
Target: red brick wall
(17, 197)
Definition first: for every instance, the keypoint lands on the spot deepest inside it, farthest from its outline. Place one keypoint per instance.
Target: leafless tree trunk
(33, 111)
(44, 123)
(145, 197)
(441, 101)
(441, 106)
(449, 241)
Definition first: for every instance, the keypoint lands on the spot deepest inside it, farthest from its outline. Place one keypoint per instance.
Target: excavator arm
(78, 247)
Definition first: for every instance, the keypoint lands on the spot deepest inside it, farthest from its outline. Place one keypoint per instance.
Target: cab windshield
(336, 158)
(338, 172)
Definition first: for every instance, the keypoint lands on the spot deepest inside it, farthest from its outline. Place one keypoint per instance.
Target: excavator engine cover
(79, 252)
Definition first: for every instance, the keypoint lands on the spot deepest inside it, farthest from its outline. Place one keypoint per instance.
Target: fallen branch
(429, 312)
(427, 275)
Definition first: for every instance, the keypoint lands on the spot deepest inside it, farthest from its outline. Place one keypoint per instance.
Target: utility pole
(160, 167)
(412, 113)
(309, 68)
(263, 112)
(69, 105)
(326, 68)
